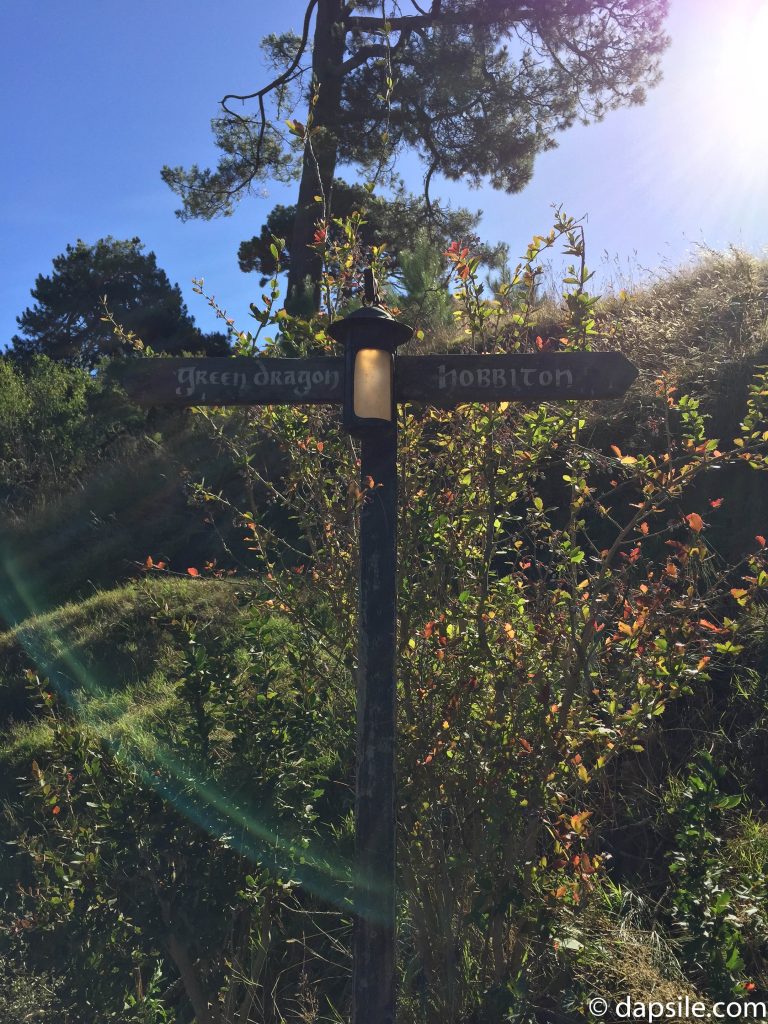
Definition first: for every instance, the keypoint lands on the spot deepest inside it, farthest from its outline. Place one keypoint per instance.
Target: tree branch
(365, 53)
(475, 17)
(274, 84)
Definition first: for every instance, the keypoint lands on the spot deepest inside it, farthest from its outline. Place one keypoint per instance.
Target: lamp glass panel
(373, 384)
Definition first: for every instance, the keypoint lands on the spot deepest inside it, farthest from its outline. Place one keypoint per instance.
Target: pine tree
(67, 322)
(477, 88)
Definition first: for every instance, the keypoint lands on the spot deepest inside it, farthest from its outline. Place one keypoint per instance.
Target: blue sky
(95, 97)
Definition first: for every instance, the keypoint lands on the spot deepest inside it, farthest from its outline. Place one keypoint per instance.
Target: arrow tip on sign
(628, 372)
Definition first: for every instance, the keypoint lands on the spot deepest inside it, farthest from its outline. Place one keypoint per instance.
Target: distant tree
(67, 322)
(477, 88)
(394, 223)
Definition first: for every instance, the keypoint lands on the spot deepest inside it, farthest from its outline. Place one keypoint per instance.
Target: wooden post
(373, 1000)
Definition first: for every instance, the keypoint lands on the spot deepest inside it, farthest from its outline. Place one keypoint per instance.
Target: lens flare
(126, 724)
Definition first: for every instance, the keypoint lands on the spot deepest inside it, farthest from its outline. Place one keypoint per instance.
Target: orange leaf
(56, 810)
(320, 445)
(644, 529)
(149, 563)
(760, 540)
(710, 625)
(526, 745)
(695, 522)
(193, 572)
(577, 821)
(616, 450)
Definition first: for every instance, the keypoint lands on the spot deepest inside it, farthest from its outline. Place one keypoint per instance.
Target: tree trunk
(193, 986)
(319, 153)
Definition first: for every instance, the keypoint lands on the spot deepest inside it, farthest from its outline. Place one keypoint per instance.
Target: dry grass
(623, 956)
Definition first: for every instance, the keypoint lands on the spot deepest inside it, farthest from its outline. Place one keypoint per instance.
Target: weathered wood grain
(440, 380)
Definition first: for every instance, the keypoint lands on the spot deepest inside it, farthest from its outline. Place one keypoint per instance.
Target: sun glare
(741, 82)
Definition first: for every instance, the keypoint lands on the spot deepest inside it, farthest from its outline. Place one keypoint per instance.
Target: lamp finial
(371, 287)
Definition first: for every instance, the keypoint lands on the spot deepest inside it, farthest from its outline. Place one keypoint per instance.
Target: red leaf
(695, 522)
(56, 810)
(193, 572)
(586, 865)
(760, 540)
(715, 502)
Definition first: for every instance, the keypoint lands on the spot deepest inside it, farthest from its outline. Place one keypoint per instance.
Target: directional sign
(440, 380)
(232, 381)
(448, 380)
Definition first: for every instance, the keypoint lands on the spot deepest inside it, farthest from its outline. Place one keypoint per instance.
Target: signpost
(442, 381)
(369, 381)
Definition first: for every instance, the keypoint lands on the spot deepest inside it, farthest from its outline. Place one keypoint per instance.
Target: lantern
(370, 336)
